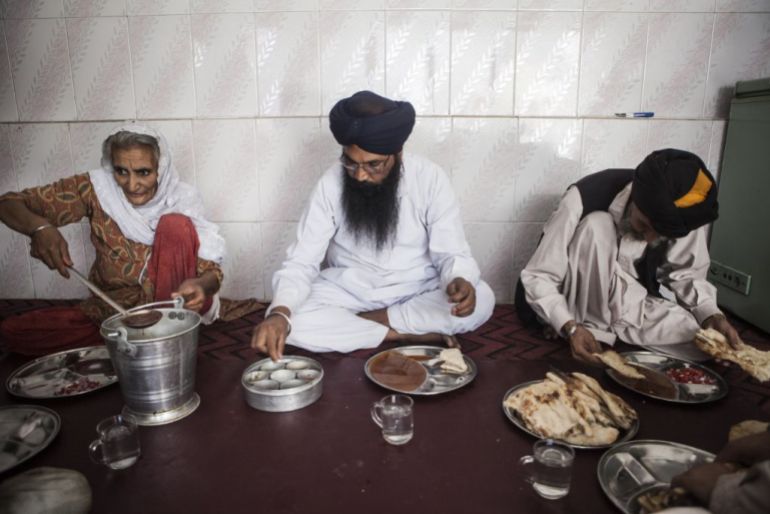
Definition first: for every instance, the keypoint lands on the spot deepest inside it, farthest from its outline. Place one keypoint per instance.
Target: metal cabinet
(740, 238)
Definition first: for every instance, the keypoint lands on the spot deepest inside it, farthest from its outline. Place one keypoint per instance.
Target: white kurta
(409, 278)
(584, 270)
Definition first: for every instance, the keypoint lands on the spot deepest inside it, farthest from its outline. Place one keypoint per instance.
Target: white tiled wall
(515, 98)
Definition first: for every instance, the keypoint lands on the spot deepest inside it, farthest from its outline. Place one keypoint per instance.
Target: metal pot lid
(175, 322)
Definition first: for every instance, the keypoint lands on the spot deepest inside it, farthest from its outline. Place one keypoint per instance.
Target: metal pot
(156, 365)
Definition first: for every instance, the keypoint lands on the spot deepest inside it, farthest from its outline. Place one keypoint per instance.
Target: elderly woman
(151, 238)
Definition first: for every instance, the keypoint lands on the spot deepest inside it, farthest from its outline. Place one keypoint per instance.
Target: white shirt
(684, 271)
(429, 248)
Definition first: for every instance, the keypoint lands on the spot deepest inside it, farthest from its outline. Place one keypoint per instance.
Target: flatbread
(620, 412)
(747, 428)
(453, 361)
(547, 409)
(614, 360)
(564, 408)
(654, 383)
(753, 361)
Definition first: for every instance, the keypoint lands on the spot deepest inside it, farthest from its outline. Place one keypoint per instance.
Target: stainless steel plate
(630, 469)
(624, 435)
(437, 381)
(25, 430)
(686, 393)
(63, 374)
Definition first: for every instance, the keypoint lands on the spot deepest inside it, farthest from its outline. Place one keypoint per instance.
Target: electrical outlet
(730, 277)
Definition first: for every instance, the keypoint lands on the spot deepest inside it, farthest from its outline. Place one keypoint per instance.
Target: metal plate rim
(50, 437)
(110, 333)
(721, 382)
(471, 375)
(639, 442)
(628, 436)
(32, 363)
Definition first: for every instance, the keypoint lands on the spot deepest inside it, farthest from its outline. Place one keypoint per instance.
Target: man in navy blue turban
(616, 237)
(386, 226)
(371, 122)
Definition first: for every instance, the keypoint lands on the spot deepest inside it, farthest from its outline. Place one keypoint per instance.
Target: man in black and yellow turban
(675, 192)
(387, 226)
(615, 238)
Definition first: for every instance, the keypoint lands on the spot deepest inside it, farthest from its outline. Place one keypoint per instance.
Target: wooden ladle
(139, 319)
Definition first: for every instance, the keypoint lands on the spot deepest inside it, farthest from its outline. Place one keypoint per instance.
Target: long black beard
(371, 210)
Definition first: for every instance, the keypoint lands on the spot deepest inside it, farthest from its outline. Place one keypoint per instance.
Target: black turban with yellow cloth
(675, 191)
(372, 122)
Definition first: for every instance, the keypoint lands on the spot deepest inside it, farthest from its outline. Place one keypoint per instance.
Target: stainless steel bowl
(289, 384)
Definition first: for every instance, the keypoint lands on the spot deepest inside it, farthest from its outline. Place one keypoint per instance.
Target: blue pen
(634, 114)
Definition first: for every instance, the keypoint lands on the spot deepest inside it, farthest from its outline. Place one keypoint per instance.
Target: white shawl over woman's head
(172, 196)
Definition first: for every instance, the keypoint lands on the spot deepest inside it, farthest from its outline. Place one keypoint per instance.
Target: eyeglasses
(371, 167)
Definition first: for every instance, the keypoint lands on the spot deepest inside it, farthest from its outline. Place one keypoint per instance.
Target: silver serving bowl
(289, 384)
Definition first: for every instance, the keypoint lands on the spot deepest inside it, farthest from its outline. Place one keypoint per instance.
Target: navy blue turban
(372, 122)
(675, 191)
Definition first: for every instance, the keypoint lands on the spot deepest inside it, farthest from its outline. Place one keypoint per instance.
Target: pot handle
(124, 346)
(178, 302)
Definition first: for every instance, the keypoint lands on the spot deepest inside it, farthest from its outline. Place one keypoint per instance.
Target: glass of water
(118, 444)
(394, 414)
(549, 468)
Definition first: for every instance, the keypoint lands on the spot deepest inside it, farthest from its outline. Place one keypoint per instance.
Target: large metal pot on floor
(156, 365)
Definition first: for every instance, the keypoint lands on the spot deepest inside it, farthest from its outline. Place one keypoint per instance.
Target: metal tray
(685, 393)
(63, 374)
(289, 384)
(630, 469)
(623, 435)
(25, 430)
(437, 381)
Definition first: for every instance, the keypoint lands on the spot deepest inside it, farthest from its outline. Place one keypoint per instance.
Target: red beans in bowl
(688, 375)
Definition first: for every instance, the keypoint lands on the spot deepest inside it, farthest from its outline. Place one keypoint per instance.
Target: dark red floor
(501, 338)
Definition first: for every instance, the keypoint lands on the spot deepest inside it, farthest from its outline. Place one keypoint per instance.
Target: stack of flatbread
(754, 362)
(574, 409)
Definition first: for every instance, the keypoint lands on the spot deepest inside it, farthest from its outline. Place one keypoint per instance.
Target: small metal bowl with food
(289, 384)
